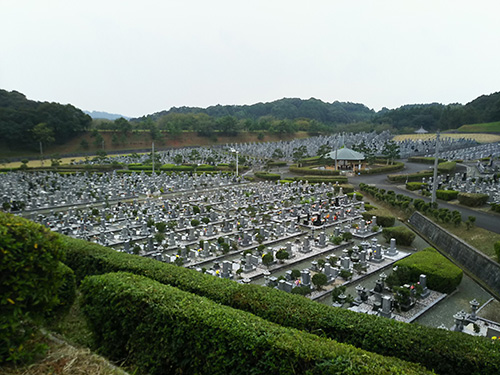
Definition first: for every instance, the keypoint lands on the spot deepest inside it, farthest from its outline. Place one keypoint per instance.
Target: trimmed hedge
(472, 199)
(410, 176)
(161, 329)
(496, 247)
(412, 186)
(442, 275)
(446, 195)
(402, 234)
(312, 171)
(359, 196)
(383, 220)
(397, 166)
(434, 348)
(424, 159)
(30, 278)
(267, 176)
(318, 179)
(66, 292)
(447, 167)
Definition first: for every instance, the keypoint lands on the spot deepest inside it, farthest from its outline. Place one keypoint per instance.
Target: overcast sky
(140, 57)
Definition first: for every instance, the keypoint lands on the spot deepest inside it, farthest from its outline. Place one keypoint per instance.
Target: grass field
(488, 127)
(479, 137)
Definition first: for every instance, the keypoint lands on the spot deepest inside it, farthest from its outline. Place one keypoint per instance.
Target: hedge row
(472, 199)
(268, 176)
(277, 163)
(410, 176)
(444, 351)
(313, 171)
(397, 166)
(318, 179)
(161, 329)
(446, 195)
(424, 159)
(383, 220)
(34, 283)
(402, 234)
(447, 167)
(442, 275)
(412, 186)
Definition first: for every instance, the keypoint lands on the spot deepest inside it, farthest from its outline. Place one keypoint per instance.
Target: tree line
(24, 123)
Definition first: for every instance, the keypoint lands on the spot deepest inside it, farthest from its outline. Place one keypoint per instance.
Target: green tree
(267, 259)
(390, 151)
(299, 153)
(282, 254)
(323, 150)
(123, 125)
(319, 279)
(278, 154)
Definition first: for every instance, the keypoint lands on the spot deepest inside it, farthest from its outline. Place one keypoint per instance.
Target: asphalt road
(484, 220)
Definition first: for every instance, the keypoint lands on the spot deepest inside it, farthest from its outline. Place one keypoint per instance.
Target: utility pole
(153, 156)
(41, 153)
(237, 163)
(434, 178)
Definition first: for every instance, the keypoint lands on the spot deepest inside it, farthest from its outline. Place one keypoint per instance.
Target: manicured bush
(446, 195)
(436, 349)
(402, 234)
(383, 220)
(397, 166)
(410, 176)
(313, 171)
(424, 159)
(66, 291)
(359, 196)
(442, 275)
(472, 199)
(318, 179)
(447, 167)
(161, 329)
(267, 176)
(412, 186)
(30, 278)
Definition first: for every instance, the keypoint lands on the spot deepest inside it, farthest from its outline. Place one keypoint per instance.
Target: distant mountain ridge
(286, 108)
(105, 115)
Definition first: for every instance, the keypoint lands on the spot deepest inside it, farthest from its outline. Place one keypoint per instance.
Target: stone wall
(483, 269)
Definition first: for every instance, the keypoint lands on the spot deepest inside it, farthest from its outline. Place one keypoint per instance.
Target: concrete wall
(482, 268)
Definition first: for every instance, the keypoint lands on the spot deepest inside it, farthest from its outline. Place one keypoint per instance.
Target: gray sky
(140, 57)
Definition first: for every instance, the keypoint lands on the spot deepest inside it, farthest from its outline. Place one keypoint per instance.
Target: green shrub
(472, 199)
(66, 292)
(412, 186)
(383, 220)
(424, 159)
(446, 195)
(442, 275)
(161, 329)
(447, 167)
(434, 348)
(397, 166)
(267, 176)
(359, 196)
(30, 278)
(313, 171)
(318, 179)
(410, 176)
(402, 234)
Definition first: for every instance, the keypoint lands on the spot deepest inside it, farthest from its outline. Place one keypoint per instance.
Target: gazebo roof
(346, 154)
(421, 131)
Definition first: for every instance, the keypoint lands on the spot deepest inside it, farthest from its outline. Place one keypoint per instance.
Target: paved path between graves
(484, 220)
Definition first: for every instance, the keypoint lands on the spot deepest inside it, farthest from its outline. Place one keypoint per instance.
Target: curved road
(484, 220)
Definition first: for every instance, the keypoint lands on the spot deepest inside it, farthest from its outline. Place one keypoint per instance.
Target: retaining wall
(482, 268)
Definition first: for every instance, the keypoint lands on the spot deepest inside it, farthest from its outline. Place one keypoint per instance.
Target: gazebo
(346, 159)
(421, 131)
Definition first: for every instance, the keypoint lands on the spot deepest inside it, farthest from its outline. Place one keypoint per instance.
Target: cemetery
(274, 239)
